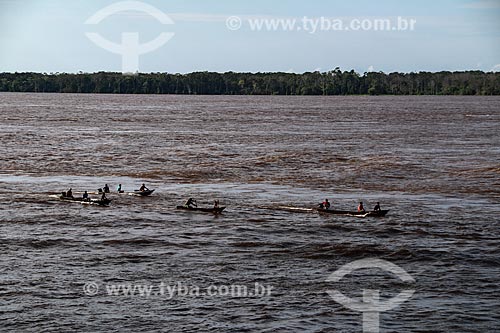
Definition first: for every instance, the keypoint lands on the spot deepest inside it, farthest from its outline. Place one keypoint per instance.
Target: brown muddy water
(433, 161)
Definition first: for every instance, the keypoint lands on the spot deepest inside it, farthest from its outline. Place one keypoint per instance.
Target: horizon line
(250, 72)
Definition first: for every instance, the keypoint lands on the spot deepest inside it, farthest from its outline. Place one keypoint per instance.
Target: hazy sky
(49, 36)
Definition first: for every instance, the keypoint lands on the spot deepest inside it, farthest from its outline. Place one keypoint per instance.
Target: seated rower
(106, 188)
(377, 207)
(119, 189)
(190, 202)
(326, 204)
(85, 196)
(69, 194)
(143, 188)
(361, 209)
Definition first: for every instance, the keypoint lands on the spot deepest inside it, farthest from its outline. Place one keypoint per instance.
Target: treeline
(334, 82)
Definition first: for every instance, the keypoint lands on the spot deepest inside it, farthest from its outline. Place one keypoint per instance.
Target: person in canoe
(119, 188)
(190, 203)
(361, 209)
(143, 188)
(105, 188)
(324, 205)
(85, 196)
(377, 207)
(69, 194)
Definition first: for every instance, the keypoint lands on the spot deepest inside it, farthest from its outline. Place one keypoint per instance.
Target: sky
(223, 35)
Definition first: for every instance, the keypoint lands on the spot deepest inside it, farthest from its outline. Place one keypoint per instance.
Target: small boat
(97, 202)
(214, 210)
(88, 192)
(67, 199)
(373, 213)
(138, 193)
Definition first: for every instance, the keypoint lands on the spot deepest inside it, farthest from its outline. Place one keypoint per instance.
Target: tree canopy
(335, 82)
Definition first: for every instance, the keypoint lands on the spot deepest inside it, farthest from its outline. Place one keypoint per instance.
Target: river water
(433, 161)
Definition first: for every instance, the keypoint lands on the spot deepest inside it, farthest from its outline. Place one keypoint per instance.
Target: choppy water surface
(434, 161)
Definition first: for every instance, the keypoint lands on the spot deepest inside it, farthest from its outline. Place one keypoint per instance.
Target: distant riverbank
(330, 83)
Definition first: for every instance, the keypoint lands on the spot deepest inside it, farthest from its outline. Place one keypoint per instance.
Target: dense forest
(334, 82)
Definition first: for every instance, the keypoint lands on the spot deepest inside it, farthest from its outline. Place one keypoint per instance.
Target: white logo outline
(370, 306)
(129, 49)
